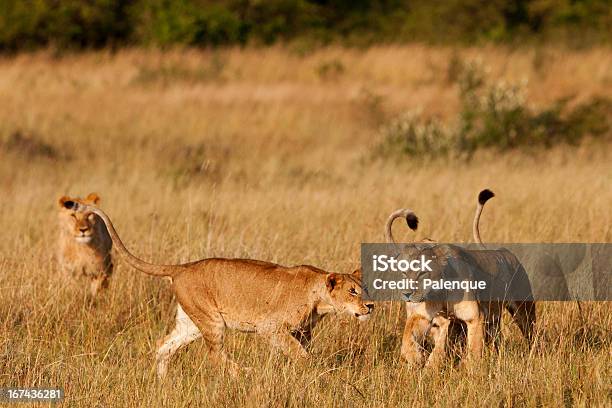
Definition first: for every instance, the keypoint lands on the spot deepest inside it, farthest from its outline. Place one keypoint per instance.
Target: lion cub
(84, 246)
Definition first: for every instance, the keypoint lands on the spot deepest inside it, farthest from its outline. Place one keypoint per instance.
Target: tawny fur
(281, 303)
(84, 245)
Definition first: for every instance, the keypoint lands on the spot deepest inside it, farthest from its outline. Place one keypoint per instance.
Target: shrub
(30, 146)
(64, 24)
(164, 22)
(410, 135)
(330, 70)
(493, 116)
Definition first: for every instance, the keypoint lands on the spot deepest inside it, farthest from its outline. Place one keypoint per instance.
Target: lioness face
(81, 225)
(345, 294)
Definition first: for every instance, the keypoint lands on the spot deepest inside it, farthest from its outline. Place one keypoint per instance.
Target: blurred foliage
(27, 24)
(493, 115)
(70, 23)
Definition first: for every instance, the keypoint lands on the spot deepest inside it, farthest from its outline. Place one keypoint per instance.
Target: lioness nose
(83, 229)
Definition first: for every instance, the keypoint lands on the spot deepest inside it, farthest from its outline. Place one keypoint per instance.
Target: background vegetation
(27, 24)
(493, 115)
(270, 154)
(286, 131)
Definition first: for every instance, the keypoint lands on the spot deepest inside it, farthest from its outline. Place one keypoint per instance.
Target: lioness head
(81, 225)
(345, 294)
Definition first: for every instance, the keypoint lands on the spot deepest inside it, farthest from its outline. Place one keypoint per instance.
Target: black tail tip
(412, 220)
(69, 204)
(484, 196)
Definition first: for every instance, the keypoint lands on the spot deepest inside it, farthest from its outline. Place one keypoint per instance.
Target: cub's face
(79, 225)
(345, 293)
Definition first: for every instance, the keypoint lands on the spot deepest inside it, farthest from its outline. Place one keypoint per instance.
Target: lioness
(437, 329)
(523, 312)
(281, 303)
(84, 246)
(481, 317)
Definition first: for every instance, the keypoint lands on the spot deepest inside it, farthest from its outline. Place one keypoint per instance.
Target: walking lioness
(281, 303)
(84, 246)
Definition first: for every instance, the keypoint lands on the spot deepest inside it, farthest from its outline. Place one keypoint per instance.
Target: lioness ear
(62, 201)
(357, 273)
(67, 203)
(93, 198)
(331, 281)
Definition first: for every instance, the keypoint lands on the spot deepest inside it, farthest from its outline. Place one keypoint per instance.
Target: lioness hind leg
(288, 345)
(475, 338)
(212, 327)
(492, 329)
(184, 332)
(524, 315)
(304, 337)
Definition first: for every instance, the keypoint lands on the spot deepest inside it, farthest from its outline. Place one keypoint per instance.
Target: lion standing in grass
(84, 245)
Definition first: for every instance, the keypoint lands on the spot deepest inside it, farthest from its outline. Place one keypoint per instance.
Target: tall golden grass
(264, 153)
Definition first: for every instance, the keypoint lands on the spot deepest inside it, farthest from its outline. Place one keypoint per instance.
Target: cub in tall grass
(84, 245)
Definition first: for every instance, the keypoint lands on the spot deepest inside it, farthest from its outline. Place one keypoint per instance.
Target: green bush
(493, 116)
(26, 24)
(408, 134)
(330, 70)
(271, 20)
(164, 22)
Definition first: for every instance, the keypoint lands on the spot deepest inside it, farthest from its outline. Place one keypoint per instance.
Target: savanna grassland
(267, 154)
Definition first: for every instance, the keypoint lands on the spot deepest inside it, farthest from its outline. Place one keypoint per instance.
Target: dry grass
(262, 153)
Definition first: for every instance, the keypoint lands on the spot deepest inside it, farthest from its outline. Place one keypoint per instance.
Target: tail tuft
(412, 220)
(484, 196)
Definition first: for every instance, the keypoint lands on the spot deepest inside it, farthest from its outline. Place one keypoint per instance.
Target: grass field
(265, 153)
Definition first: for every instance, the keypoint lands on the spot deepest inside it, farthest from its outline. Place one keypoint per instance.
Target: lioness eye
(353, 292)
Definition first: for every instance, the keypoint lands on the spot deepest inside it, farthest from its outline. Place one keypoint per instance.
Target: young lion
(281, 303)
(84, 246)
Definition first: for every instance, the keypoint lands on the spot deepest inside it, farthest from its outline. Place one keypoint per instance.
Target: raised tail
(483, 197)
(148, 268)
(411, 219)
